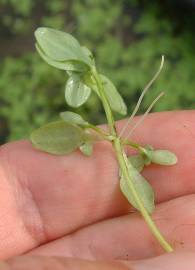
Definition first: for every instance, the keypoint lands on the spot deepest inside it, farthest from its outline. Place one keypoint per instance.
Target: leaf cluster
(63, 51)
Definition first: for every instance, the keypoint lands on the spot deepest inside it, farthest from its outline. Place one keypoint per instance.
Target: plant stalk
(123, 162)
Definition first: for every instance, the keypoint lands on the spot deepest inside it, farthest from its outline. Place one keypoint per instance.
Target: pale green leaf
(89, 54)
(72, 65)
(115, 100)
(87, 148)
(142, 187)
(73, 118)
(137, 162)
(163, 157)
(60, 46)
(76, 92)
(58, 138)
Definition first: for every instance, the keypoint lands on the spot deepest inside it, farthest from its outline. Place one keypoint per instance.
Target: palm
(72, 206)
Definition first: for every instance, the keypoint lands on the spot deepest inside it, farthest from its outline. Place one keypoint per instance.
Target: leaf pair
(159, 156)
(142, 187)
(78, 89)
(148, 156)
(162, 157)
(62, 50)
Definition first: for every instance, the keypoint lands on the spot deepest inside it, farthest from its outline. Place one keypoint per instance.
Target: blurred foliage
(127, 38)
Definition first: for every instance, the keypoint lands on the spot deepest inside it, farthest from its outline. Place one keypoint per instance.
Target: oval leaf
(73, 118)
(163, 157)
(72, 65)
(137, 162)
(58, 138)
(76, 92)
(143, 188)
(115, 100)
(87, 148)
(60, 46)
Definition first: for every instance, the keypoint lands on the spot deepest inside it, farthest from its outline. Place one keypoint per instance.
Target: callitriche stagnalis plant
(61, 50)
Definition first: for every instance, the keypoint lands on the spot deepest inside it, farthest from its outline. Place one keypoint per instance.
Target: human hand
(70, 208)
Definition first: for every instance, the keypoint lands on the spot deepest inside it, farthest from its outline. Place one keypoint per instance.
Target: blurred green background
(127, 38)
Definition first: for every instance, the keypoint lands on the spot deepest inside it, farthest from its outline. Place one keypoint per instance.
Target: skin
(67, 212)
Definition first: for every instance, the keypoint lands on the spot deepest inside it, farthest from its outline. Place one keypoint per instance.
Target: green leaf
(163, 157)
(76, 92)
(115, 100)
(72, 65)
(89, 54)
(60, 46)
(58, 138)
(143, 188)
(73, 118)
(87, 148)
(137, 162)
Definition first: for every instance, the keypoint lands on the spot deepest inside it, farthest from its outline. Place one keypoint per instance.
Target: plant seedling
(63, 51)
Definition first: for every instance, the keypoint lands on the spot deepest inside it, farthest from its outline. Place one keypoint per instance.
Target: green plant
(64, 52)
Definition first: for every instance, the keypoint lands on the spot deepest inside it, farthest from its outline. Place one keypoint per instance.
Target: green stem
(97, 129)
(102, 134)
(105, 102)
(133, 144)
(123, 162)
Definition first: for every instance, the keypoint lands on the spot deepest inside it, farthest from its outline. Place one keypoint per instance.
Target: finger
(44, 197)
(128, 237)
(57, 263)
(176, 260)
(171, 261)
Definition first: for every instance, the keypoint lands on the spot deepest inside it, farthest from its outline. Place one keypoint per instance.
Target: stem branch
(123, 162)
